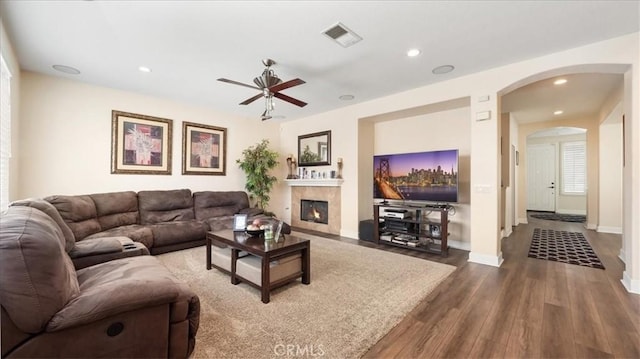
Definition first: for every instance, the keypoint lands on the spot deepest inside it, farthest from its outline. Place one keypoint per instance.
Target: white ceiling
(189, 44)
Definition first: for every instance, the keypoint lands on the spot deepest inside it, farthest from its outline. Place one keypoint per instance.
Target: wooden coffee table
(268, 252)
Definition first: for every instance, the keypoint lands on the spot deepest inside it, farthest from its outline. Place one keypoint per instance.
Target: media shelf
(408, 226)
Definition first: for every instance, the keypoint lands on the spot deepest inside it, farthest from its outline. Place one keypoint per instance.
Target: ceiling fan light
(269, 104)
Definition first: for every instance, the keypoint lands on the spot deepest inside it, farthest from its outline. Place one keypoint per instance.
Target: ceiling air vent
(342, 35)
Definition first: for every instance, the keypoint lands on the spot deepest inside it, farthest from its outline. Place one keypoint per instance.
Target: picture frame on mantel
(314, 149)
(140, 144)
(204, 149)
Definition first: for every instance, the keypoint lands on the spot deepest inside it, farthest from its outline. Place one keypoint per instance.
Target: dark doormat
(563, 246)
(558, 217)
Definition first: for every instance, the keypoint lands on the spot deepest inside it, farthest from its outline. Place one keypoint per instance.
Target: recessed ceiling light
(144, 69)
(413, 52)
(442, 69)
(559, 112)
(346, 97)
(560, 82)
(66, 69)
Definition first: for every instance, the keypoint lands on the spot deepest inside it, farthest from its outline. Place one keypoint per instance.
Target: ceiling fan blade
(239, 83)
(289, 99)
(250, 100)
(285, 85)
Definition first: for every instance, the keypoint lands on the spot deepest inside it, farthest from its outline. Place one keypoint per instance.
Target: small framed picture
(239, 222)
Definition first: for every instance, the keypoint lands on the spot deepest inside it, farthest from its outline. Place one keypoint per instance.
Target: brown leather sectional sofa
(164, 220)
(76, 279)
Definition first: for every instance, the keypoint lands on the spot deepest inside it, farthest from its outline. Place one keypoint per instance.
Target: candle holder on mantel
(291, 165)
(339, 167)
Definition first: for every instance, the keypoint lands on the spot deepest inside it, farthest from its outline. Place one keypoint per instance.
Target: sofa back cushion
(51, 211)
(116, 209)
(38, 278)
(165, 206)
(209, 204)
(79, 212)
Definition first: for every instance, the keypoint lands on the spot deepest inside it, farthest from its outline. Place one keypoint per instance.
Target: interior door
(541, 177)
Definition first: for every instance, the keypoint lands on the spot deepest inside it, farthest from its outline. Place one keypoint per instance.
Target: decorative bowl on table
(254, 232)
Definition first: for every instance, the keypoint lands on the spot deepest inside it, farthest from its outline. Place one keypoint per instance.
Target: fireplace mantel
(325, 182)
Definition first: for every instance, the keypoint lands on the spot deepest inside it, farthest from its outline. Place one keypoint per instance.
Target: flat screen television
(416, 177)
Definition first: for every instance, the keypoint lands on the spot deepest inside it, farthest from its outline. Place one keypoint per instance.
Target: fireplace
(314, 211)
(331, 194)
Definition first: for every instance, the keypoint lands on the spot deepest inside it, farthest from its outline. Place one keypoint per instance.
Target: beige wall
(512, 198)
(610, 201)
(630, 252)
(65, 146)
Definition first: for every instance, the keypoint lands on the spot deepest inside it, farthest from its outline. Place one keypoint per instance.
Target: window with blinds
(574, 167)
(5, 132)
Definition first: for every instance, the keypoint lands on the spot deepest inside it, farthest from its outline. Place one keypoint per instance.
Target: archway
(623, 102)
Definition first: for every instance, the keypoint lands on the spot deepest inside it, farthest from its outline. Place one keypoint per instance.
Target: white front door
(541, 177)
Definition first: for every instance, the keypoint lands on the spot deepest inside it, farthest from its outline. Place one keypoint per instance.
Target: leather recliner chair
(129, 307)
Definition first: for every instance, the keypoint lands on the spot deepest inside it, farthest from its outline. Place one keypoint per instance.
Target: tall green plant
(256, 162)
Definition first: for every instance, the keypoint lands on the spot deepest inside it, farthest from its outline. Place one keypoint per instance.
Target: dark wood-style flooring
(527, 308)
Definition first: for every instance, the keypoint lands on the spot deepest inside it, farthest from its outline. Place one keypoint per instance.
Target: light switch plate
(484, 115)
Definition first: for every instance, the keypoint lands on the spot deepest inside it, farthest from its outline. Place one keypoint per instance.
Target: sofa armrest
(95, 246)
(116, 287)
(251, 211)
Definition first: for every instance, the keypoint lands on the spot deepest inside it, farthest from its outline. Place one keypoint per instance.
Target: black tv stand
(414, 231)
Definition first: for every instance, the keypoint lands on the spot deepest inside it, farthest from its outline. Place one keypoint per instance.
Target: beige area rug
(356, 296)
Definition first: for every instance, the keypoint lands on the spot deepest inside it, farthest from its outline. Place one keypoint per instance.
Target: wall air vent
(342, 35)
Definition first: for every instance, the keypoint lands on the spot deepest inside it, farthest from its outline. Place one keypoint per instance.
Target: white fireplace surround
(332, 182)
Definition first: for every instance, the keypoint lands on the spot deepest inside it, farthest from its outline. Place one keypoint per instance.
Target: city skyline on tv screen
(420, 176)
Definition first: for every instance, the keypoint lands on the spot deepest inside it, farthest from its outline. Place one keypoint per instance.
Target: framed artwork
(239, 222)
(140, 144)
(204, 149)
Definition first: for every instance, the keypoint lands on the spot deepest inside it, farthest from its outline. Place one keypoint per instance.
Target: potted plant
(256, 162)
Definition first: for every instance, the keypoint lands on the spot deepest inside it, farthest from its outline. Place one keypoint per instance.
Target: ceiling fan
(270, 85)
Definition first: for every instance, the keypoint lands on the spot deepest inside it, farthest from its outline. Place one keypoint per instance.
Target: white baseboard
(592, 226)
(349, 234)
(605, 229)
(522, 220)
(621, 255)
(506, 232)
(581, 212)
(494, 261)
(632, 285)
(466, 246)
